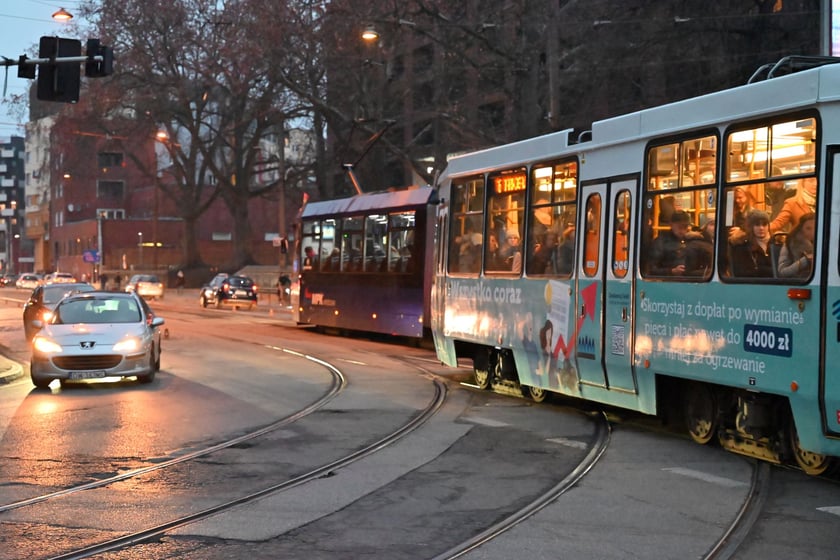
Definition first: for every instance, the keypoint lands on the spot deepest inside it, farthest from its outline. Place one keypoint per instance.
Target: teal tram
(685, 256)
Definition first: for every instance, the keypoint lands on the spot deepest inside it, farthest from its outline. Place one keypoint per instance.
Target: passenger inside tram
(751, 258)
(797, 254)
(667, 254)
(804, 202)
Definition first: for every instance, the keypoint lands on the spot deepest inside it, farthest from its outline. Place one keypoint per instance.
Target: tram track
(145, 535)
(338, 384)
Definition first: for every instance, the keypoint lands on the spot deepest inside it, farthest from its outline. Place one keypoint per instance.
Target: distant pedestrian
(117, 282)
(283, 284)
(179, 281)
(103, 281)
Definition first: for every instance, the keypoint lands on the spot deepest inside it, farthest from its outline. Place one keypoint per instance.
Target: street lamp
(62, 15)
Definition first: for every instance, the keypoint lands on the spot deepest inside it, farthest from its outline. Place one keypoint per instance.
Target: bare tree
(200, 70)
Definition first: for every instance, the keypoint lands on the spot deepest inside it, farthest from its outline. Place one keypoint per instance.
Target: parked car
(28, 281)
(145, 285)
(234, 291)
(96, 335)
(59, 278)
(43, 300)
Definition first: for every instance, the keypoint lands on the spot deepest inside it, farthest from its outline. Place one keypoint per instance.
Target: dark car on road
(229, 290)
(43, 300)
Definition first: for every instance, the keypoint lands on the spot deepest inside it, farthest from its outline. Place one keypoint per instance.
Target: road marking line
(706, 477)
(833, 510)
(486, 422)
(568, 442)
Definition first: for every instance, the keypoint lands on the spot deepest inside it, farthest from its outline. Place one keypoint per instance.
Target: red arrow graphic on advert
(588, 294)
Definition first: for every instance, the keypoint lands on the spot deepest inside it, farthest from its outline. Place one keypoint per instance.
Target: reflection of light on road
(46, 407)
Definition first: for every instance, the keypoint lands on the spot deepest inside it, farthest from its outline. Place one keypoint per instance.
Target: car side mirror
(157, 321)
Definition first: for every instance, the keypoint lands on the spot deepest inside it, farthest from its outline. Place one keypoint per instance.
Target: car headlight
(127, 345)
(46, 316)
(45, 345)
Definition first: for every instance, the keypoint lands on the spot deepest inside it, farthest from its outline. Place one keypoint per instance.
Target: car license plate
(86, 374)
(241, 293)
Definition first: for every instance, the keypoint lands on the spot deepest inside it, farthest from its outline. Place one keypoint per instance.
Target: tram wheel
(811, 463)
(701, 416)
(537, 394)
(482, 377)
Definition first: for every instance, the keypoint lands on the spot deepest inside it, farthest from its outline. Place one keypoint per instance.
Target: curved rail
(139, 537)
(740, 527)
(602, 439)
(339, 382)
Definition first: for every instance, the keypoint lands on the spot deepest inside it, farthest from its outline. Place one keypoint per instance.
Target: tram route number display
(762, 339)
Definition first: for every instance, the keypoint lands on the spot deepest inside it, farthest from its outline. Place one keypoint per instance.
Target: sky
(22, 23)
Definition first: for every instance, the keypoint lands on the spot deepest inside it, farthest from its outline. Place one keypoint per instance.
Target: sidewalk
(9, 370)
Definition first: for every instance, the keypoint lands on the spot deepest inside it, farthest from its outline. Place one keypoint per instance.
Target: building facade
(15, 254)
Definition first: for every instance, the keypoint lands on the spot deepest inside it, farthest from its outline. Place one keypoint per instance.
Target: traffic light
(26, 70)
(99, 68)
(59, 81)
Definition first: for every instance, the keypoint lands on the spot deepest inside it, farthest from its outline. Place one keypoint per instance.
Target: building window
(110, 189)
(110, 159)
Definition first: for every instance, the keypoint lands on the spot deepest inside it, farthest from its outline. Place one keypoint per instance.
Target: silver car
(95, 335)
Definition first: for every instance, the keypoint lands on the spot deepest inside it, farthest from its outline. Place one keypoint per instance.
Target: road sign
(90, 256)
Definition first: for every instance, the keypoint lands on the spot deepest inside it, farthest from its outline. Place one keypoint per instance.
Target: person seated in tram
(493, 258)
(565, 254)
(700, 249)
(797, 255)
(804, 202)
(751, 258)
(667, 253)
(542, 260)
(512, 252)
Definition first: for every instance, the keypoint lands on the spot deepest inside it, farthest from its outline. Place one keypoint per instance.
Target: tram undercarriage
(755, 425)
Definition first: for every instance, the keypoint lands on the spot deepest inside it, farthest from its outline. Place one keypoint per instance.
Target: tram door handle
(623, 314)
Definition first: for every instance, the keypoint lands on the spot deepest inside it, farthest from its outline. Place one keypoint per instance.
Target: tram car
(682, 257)
(364, 263)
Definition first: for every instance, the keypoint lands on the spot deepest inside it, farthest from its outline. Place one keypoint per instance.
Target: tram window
(376, 226)
(592, 236)
(310, 245)
(351, 245)
(551, 236)
(401, 249)
(329, 255)
(465, 238)
(771, 188)
(785, 148)
(680, 202)
(506, 218)
(621, 230)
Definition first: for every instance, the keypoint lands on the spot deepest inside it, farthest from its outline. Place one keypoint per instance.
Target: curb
(9, 371)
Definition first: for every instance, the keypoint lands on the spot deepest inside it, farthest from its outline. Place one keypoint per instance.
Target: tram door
(830, 391)
(604, 339)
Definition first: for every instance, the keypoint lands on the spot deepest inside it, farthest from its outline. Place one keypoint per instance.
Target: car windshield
(240, 282)
(97, 311)
(52, 294)
(148, 278)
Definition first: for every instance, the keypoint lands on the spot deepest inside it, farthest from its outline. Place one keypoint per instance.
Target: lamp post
(99, 244)
(140, 245)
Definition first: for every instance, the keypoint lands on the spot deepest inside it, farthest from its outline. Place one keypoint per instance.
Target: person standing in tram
(667, 255)
(797, 255)
(742, 206)
(797, 206)
(751, 257)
